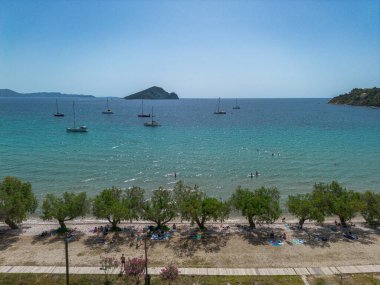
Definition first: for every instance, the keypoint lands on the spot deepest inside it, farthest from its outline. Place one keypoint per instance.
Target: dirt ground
(230, 245)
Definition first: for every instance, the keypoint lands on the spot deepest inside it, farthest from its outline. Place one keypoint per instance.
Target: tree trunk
(301, 222)
(251, 222)
(11, 224)
(62, 225)
(200, 224)
(113, 223)
(343, 221)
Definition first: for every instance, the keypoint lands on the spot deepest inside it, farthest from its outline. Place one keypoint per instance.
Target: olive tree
(110, 204)
(160, 208)
(16, 201)
(305, 207)
(65, 208)
(194, 205)
(260, 205)
(371, 207)
(134, 199)
(339, 201)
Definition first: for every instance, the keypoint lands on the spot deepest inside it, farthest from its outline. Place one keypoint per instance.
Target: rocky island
(154, 93)
(10, 93)
(359, 97)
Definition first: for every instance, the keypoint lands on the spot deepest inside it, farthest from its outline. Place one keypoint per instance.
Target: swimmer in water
(251, 175)
(257, 173)
(175, 175)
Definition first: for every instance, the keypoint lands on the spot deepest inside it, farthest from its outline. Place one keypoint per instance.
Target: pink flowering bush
(169, 273)
(135, 268)
(108, 263)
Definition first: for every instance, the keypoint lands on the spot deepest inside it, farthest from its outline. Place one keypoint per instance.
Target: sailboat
(74, 129)
(152, 123)
(219, 112)
(142, 115)
(57, 114)
(236, 105)
(107, 110)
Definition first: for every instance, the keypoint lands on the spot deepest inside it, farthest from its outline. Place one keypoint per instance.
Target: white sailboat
(152, 123)
(107, 110)
(142, 115)
(57, 113)
(219, 112)
(74, 129)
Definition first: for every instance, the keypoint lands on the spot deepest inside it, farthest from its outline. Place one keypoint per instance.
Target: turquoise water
(311, 142)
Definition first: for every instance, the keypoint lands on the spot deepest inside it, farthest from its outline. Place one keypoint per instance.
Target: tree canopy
(305, 207)
(134, 199)
(259, 206)
(196, 206)
(16, 201)
(161, 208)
(111, 205)
(339, 201)
(65, 208)
(371, 207)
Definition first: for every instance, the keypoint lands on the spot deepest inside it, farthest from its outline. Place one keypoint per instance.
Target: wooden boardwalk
(302, 271)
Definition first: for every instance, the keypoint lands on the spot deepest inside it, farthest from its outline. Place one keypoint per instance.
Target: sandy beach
(229, 245)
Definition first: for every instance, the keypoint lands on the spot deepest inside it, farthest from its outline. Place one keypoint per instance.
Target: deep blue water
(311, 142)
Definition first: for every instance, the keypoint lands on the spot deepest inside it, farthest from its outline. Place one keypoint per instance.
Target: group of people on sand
(272, 235)
(101, 230)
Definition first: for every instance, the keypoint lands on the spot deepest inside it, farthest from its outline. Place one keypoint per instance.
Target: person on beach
(257, 173)
(251, 175)
(175, 175)
(122, 261)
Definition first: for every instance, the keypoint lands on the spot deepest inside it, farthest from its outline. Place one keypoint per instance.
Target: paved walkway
(302, 271)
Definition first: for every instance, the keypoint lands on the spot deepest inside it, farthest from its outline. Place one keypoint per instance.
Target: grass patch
(346, 279)
(52, 279)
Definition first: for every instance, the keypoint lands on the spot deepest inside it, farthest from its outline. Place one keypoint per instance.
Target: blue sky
(198, 49)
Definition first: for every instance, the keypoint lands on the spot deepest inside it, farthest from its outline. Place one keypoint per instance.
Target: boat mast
(56, 105)
(152, 114)
(74, 112)
(218, 104)
(107, 105)
(142, 105)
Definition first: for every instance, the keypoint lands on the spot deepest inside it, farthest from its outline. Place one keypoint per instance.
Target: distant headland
(11, 93)
(154, 93)
(359, 97)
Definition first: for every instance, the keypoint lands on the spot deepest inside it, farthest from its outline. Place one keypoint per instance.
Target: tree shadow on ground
(109, 243)
(331, 234)
(317, 236)
(188, 242)
(8, 237)
(52, 236)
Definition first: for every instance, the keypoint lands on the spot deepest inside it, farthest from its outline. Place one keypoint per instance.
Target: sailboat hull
(152, 124)
(58, 115)
(143, 115)
(107, 112)
(220, 113)
(82, 129)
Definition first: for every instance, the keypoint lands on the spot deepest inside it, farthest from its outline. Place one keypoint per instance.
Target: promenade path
(301, 271)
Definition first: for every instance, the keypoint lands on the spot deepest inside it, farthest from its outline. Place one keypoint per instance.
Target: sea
(291, 143)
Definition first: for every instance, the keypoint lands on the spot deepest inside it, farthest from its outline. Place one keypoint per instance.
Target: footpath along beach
(228, 245)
